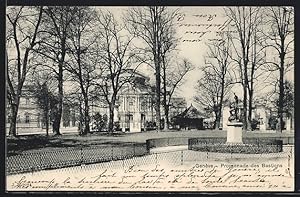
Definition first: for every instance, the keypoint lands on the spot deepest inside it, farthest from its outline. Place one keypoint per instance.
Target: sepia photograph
(150, 98)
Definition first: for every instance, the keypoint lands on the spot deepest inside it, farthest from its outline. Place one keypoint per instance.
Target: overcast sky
(192, 45)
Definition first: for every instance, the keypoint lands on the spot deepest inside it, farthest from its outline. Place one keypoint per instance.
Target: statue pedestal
(234, 133)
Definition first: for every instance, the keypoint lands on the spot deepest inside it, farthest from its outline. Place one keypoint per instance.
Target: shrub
(117, 126)
(273, 121)
(254, 123)
(150, 125)
(99, 122)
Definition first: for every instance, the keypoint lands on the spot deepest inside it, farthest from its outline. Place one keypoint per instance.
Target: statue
(234, 110)
(234, 129)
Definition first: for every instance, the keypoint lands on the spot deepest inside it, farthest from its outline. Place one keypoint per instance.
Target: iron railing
(249, 145)
(66, 157)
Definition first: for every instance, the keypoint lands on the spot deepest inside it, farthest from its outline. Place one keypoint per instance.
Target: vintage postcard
(150, 98)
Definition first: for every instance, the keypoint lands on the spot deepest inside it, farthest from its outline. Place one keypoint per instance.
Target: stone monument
(234, 127)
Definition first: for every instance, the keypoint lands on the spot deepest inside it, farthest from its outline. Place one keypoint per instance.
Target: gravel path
(275, 174)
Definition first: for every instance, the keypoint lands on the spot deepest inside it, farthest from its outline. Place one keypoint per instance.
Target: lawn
(41, 142)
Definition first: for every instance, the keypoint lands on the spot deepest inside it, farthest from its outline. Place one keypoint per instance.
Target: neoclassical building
(261, 112)
(134, 109)
(136, 105)
(29, 115)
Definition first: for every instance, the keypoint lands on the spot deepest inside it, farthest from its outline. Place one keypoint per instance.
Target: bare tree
(208, 94)
(257, 57)
(216, 79)
(54, 47)
(245, 21)
(22, 37)
(151, 24)
(288, 99)
(280, 39)
(117, 63)
(43, 86)
(171, 82)
(82, 70)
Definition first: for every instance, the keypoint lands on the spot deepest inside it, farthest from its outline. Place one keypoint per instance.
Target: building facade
(263, 114)
(29, 116)
(134, 110)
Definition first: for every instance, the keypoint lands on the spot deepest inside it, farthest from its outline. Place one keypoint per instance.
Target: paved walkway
(34, 131)
(168, 149)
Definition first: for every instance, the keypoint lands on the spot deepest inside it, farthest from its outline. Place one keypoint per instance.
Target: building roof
(191, 112)
(137, 73)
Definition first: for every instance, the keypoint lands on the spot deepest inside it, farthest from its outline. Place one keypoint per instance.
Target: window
(130, 106)
(27, 118)
(128, 118)
(38, 120)
(27, 101)
(144, 106)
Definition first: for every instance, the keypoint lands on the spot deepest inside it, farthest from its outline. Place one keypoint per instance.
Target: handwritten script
(196, 177)
(197, 28)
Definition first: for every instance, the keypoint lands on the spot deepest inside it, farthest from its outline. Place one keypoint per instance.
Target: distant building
(135, 105)
(177, 106)
(134, 109)
(263, 113)
(29, 115)
(190, 118)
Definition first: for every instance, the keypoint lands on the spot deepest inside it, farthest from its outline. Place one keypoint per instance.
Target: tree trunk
(157, 62)
(111, 118)
(46, 117)
(166, 124)
(281, 95)
(245, 121)
(250, 108)
(47, 125)
(86, 116)
(166, 108)
(217, 120)
(157, 92)
(56, 126)
(13, 118)
(47, 114)
(80, 117)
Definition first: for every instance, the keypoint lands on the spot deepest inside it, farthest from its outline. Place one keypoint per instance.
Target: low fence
(249, 146)
(285, 140)
(130, 152)
(66, 157)
(186, 158)
(177, 141)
